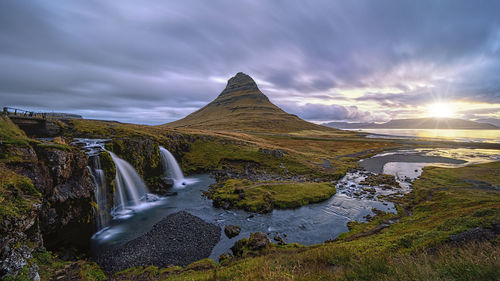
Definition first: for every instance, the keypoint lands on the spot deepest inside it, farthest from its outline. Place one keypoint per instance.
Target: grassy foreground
(445, 202)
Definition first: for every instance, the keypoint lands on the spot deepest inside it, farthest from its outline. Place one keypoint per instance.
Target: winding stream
(310, 224)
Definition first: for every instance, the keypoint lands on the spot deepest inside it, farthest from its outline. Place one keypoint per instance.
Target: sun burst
(440, 110)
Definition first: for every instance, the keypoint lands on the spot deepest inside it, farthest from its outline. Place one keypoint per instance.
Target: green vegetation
(414, 247)
(263, 197)
(17, 194)
(10, 134)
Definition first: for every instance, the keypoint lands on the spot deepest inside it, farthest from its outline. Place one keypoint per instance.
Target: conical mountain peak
(240, 82)
(242, 106)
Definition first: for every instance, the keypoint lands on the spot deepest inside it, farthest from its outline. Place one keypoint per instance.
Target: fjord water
(492, 136)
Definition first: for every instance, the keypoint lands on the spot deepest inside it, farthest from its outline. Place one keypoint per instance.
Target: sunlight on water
(449, 134)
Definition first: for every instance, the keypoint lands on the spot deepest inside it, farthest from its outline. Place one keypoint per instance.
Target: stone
(232, 231)
(280, 240)
(224, 258)
(258, 241)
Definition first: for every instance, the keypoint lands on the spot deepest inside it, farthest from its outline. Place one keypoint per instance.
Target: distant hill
(346, 125)
(418, 123)
(492, 121)
(243, 107)
(63, 115)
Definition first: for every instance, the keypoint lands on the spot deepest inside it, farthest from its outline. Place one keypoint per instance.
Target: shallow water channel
(310, 224)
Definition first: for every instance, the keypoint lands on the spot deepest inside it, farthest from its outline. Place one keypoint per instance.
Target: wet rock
(258, 241)
(232, 230)
(382, 180)
(239, 247)
(226, 257)
(280, 240)
(253, 246)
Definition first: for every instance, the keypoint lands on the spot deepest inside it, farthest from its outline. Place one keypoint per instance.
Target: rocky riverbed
(178, 239)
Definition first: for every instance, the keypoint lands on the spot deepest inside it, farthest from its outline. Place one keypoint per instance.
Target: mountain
(432, 123)
(243, 107)
(347, 125)
(492, 121)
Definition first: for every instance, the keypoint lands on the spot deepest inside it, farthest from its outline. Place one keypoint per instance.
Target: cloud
(104, 58)
(321, 112)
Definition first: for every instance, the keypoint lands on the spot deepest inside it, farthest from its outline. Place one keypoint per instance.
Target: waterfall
(92, 147)
(130, 189)
(97, 174)
(171, 168)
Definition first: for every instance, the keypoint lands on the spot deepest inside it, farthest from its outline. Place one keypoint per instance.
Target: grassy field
(414, 244)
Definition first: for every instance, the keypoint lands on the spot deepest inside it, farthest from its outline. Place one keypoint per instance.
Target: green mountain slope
(243, 107)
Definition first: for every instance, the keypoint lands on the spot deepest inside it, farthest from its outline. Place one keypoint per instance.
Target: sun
(440, 110)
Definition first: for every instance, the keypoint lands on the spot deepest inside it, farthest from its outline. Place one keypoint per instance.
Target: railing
(16, 112)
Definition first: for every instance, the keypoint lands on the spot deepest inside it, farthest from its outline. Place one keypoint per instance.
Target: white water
(92, 148)
(97, 174)
(130, 189)
(172, 169)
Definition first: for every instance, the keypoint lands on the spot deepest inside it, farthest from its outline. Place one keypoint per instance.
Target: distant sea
(492, 136)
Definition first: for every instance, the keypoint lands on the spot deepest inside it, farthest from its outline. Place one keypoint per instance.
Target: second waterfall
(172, 169)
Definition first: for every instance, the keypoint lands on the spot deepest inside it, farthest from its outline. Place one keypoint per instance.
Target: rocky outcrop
(67, 215)
(59, 213)
(253, 246)
(16, 234)
(278, 153)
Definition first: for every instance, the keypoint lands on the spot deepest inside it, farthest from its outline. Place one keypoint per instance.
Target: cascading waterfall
(92, 147)
(130, 189)
(172, 168)
(97, 174)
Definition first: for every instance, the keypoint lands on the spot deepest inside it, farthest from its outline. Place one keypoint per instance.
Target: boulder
(258, 241)
(232, 230)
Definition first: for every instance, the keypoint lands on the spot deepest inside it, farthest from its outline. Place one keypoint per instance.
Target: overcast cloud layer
(154, 62)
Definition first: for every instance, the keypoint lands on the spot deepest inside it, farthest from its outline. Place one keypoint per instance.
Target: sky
(153, 62)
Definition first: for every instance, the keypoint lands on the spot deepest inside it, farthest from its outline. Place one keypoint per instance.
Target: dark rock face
(179, 239)
(15, 234)
(61, 218)
(67, 214)
(37, 127)
(67, 192)
(232, 230)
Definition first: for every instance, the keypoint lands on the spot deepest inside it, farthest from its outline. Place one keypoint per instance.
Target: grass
(415, 247)
(17, 194)
(263, 197)
(10, 134)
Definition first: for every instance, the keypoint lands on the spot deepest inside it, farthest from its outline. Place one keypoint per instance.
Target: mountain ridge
(418, 123)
